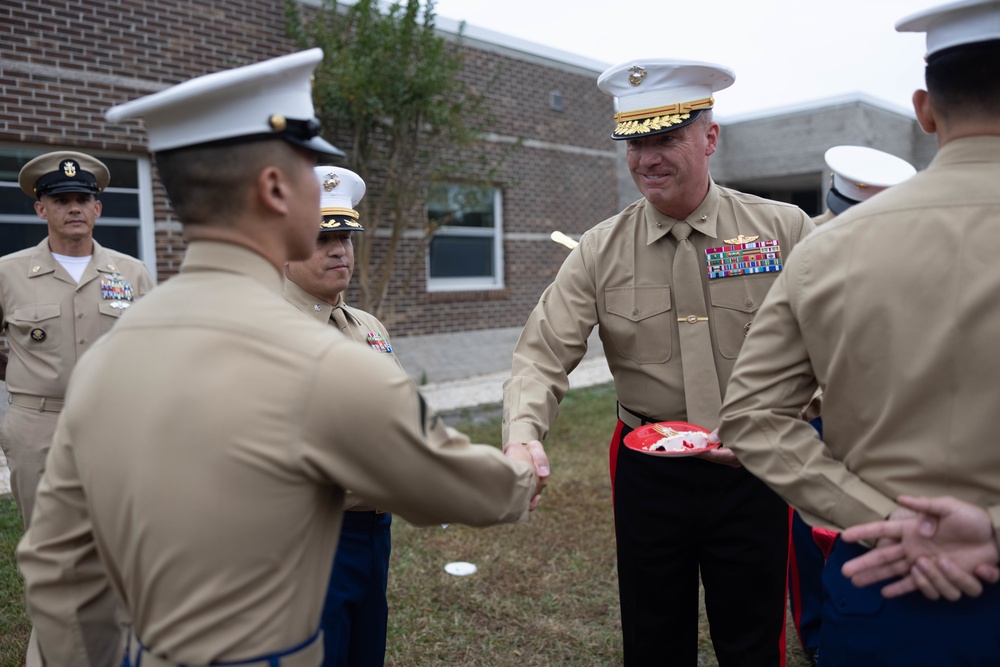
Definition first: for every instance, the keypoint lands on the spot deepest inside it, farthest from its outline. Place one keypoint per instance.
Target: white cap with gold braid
(341, 190)
(658, 95)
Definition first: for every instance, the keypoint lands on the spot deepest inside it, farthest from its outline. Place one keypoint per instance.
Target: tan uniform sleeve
(771, 381)
(380, 440)
(70, 599)
(552, 343)
(146, 282)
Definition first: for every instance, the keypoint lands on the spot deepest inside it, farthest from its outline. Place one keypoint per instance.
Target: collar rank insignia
(744, 258)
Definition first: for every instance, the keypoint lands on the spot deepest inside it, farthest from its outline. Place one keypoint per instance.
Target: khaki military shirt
(619, 279)
(50, 320)
(362, 327)
(823, 218)
(893, 310)
(199, 465)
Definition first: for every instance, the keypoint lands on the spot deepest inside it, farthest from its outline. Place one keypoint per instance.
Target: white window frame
(468, 284)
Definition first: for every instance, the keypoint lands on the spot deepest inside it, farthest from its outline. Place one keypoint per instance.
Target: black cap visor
(837, 202)
(56, 184)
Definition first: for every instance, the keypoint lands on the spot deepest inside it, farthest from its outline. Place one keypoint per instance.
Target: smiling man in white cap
(355, 613)
(673, 283)
(210, 502)
(891, 309)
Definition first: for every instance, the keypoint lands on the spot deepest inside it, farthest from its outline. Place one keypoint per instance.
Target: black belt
(633, 419)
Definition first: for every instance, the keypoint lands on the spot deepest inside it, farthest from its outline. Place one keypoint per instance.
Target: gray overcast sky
(784, 52)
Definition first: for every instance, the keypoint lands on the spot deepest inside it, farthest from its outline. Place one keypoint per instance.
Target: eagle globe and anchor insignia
(636, 74)
(330, 182)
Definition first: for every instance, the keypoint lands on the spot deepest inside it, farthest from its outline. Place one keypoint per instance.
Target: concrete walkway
(454, 371)
(467, 369)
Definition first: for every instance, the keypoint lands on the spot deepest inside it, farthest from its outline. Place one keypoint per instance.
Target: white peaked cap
(341, 190)
(272, 98)
(955, 23)
(860, 172)
(657, 95)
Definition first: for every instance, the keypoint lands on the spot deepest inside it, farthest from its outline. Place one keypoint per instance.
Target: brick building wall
(64, 62)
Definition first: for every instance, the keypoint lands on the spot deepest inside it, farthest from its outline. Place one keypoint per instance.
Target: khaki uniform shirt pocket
(639, 322)
(734, 304)
(110, 314)
(35, 327)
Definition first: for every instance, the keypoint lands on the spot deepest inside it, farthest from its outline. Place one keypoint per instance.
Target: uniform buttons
(635, 312)
(748, 302)
(79, 316)
(82, 341)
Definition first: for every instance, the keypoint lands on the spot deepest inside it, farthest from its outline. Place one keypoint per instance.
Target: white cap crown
(272, 98)
(860, 172)
(955, 23)
(661, 94)
(341, 190)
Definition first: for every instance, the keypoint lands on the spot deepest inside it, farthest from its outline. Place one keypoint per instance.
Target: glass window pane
(120, 205)
(461, 206)
(124, 173)
(461, 257)
(16, 236)
(115, 204)
(11, 161)
(15, 202)
(122, 239)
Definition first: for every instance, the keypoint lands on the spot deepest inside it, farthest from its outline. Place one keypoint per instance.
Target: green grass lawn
(14, 625)
(545, 594)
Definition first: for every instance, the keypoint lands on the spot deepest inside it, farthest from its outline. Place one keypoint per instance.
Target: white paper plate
(460, 569)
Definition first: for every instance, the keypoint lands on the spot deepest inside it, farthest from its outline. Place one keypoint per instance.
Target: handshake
(533, 453)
